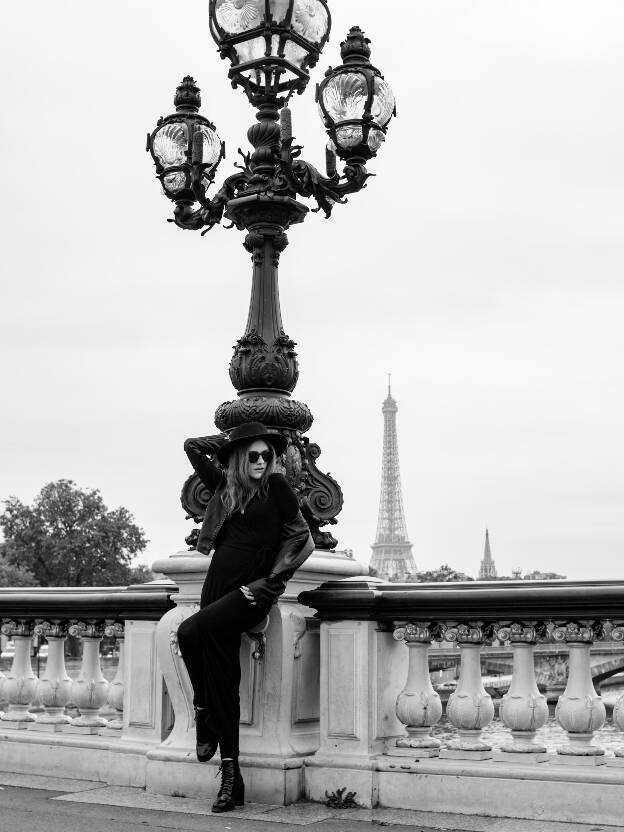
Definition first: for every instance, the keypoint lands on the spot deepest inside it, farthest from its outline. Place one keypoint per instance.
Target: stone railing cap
(370, 599)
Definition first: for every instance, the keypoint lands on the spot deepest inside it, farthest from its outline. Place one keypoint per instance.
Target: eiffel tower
(392, 552)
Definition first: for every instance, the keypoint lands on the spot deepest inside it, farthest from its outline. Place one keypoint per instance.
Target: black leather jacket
(296, 543)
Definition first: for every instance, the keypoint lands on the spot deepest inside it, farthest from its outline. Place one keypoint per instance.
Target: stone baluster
(90, 690)
(523, 708)
(418, 706)
(54, 688)
(580, 711)
(617, 634)
(116, 630)
(20, 684)
(470, 708)
(618, 721)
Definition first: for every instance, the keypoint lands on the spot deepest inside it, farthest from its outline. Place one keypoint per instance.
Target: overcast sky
(482, 267)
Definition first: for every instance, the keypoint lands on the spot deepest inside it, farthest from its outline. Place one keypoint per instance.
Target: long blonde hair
(240, 489)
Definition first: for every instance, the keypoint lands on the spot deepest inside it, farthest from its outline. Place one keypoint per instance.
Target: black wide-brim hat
(247, 433)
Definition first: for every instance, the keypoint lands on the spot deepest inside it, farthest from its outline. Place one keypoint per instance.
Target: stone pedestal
(362, 674)
(279, 692)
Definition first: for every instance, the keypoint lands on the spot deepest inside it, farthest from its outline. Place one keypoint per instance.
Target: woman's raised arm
(197, 450)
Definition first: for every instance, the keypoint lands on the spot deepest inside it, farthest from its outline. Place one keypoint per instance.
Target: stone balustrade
(336, 692)
(137, 729)
(379, 637)
(88, 704)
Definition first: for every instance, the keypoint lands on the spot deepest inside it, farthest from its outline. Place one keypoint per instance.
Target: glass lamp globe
(355, 102)
(185, 145)
(271, 43)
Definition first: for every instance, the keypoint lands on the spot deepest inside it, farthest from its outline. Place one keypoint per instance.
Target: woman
(259, 538)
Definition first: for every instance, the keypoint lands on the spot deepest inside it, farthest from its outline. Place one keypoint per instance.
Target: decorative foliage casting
(194, 498)
(617, 632)
(114, 629)
(467, 633)
(258, 364)
(87, 629)
(51, 629)
(422, 632)
(21, 627)
(517, 632)
(281, 412)
(320, 496)
(577, 631)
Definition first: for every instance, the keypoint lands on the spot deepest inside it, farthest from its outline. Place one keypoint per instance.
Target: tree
(11, 575)
(68, 537)
(442, 574)
(141, 574)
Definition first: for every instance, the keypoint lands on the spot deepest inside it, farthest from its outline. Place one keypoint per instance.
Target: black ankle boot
(232, 791)
(206, 743)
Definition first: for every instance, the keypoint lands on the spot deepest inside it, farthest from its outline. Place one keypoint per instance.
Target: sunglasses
(254, 456)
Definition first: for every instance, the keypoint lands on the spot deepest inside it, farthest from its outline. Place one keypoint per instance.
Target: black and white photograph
(311, 445)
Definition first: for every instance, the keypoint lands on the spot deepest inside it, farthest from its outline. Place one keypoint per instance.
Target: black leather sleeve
(197, 451)
(285, 497)
(296, 546)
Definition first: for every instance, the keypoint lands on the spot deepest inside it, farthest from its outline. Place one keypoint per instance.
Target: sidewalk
(52, 804)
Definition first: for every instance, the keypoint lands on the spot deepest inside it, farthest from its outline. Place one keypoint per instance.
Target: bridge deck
(30, 803)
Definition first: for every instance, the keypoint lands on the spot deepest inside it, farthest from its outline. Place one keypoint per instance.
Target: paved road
(49, 804)
(34, 810)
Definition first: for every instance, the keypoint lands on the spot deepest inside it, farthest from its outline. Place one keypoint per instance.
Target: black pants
(210, 644)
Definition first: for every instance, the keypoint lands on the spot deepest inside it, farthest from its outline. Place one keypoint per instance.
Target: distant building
(544, 576)
(487, 570)
(392, 552)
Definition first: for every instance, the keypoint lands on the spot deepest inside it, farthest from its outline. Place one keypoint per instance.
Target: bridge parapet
(137, 729)
(343, 699)
(123, 616)
(371, 624)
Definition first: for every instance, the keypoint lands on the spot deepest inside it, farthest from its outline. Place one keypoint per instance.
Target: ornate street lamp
(355, 102)
(271, 45)
(185, 148)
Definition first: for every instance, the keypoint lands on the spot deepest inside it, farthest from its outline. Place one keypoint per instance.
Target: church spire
(487, 570)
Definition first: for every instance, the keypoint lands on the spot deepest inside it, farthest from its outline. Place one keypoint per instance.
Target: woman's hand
(262, 591)
(248, 594)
